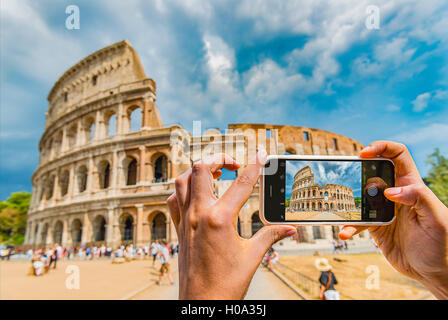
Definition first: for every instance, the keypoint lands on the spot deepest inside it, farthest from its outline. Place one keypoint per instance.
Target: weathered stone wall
(101, 180)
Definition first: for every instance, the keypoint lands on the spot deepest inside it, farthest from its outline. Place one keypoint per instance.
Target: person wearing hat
(327, 280)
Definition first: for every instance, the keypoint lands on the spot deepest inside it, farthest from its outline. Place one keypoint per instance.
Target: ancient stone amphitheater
(107, 164)
(307, 196)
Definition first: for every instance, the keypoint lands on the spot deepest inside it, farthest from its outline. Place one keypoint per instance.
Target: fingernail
(393, 191)
(291, 232)
(367, 149)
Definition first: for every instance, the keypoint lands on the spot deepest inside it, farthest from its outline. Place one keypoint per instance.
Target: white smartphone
(326, 190)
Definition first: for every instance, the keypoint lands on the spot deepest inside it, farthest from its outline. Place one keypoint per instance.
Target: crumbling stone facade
(107, 164)
(307, 196)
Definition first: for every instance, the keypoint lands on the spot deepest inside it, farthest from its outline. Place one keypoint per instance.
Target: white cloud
(434, 133)
(421, 102)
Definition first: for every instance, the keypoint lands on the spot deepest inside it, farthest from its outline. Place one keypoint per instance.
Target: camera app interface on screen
(337, 190)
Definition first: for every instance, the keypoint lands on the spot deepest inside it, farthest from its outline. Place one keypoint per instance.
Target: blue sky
(344, 173)
(307, 63)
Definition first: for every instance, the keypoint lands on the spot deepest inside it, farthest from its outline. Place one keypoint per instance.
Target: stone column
(85, 229)
(80, 134)
(328, 233)
(110, 241)
(91, 176)
(64, 142)
(71, 182)
(141, 163)
(139, 227)
(49, 237)
(122, 120)
(114, 165)
(56, 193)
(98, 126)
(65, 235)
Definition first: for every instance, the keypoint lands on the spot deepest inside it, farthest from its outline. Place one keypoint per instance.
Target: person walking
(154, 251)
(165, 259)
(327, 281)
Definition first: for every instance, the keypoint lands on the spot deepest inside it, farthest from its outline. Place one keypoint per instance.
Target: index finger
(241, 189)
(404, 164)
(203, 171)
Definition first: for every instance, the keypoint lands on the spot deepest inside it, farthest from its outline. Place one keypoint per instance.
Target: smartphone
(326, 190)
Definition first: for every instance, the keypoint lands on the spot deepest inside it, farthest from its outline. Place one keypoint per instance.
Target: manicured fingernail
(393, 191)
(291, 232)
(367, 149)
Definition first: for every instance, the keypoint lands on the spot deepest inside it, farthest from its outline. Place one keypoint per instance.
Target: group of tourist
(42, 260)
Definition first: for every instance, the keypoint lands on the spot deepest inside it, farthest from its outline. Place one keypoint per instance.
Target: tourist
(165, 259)
(53, 255)
(272, 258)
(102, 251)
(212, 240)
(154, 251)
(327, 280)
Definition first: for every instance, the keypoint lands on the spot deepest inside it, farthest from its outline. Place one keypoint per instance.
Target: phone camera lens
(372, 191)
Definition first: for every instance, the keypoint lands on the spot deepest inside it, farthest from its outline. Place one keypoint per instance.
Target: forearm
(438, 287)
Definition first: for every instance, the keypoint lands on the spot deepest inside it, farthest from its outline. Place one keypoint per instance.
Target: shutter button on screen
(372, 191)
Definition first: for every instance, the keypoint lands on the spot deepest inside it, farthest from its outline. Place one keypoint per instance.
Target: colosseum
(107, 163)
(309, 200)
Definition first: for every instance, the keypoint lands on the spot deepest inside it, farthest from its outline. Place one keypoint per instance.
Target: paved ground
(104, 280)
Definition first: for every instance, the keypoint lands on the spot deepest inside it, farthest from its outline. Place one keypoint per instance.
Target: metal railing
(310, 286)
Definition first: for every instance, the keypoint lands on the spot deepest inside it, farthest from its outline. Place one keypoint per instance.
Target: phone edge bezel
(315, 157)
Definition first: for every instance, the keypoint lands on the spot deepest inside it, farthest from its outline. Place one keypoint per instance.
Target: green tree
(357, 201)
(437, 178)
(13, 217)
(287, 201)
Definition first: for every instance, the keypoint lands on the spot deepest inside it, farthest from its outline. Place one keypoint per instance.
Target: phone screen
(328, 191)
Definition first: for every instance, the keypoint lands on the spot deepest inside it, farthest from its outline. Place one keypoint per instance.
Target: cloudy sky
(311, 63)
(345, 173)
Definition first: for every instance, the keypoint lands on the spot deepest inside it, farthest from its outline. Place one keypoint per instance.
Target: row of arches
(322, 206)
(103, 178)
(97, 126)
(126, 224)
(316, 193)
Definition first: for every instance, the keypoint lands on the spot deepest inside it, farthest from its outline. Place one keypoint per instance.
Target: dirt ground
(351, 272)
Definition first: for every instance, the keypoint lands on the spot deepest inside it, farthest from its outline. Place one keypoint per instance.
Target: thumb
(418, 196)
(268, 235)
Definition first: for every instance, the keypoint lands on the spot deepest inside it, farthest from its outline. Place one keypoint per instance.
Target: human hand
(214, 261)
(416, 243)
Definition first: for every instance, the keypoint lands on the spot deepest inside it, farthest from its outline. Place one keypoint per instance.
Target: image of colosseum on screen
(323, 190)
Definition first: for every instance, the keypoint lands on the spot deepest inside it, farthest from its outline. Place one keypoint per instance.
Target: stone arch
(44, 233)
(72, 133)
(134, 117)
(317, 232)
(335, 232)
(99, 228)
(256, 223)
(126, 223)
(49, 187)
(81, 177)
(159, 162)
(58, 141)
(89, 129)
(130, 167)
(76, 231)
(64, 181)
(111, 123)
(158, 226)
(57, 232)
(104, 174)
